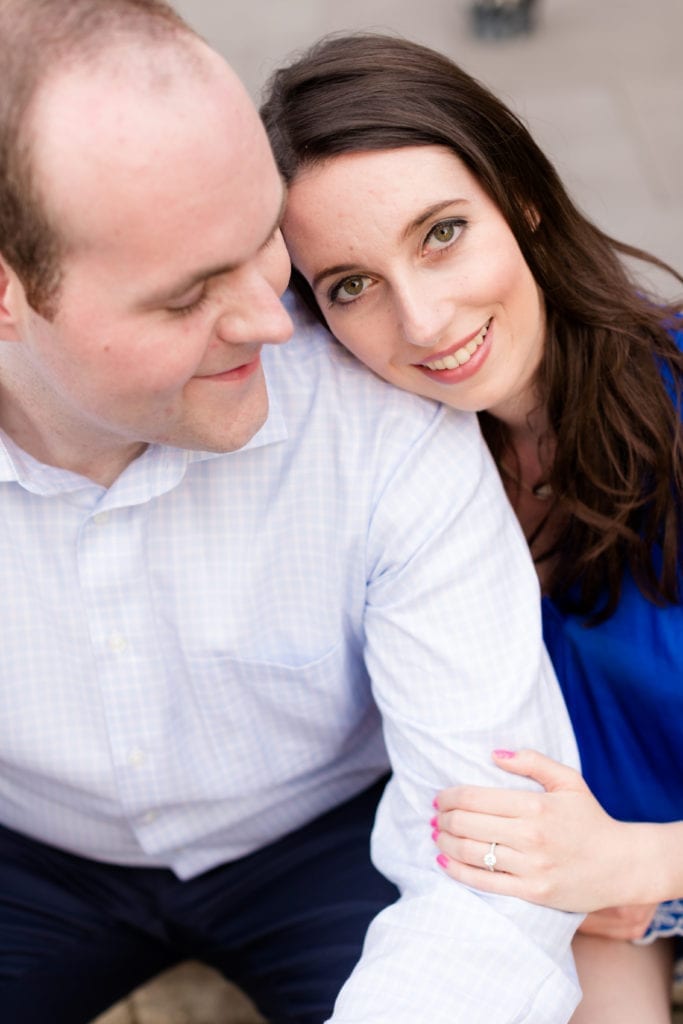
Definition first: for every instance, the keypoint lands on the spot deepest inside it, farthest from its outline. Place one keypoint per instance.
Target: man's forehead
(126, 84)
(97, 142)
(161, 185)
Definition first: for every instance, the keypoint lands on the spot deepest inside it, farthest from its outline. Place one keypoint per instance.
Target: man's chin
(236, 434)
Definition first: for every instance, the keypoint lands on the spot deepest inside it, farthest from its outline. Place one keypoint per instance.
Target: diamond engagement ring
(490, 859)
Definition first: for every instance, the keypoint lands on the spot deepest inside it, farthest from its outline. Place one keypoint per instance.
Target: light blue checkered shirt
(192, 664)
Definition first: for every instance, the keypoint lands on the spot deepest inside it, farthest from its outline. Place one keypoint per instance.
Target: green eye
(444, 232)
(353, 286)
(349, 289)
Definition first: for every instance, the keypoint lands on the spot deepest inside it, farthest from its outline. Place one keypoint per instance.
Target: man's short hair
(38, 40)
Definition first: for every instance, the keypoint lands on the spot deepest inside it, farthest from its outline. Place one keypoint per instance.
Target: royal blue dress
(623, 685)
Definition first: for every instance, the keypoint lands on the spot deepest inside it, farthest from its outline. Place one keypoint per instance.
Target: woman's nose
(423, 319)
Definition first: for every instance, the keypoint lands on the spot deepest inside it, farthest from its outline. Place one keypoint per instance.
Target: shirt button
(136, 757)
(101, 518)
(117, 643)
(148, 818)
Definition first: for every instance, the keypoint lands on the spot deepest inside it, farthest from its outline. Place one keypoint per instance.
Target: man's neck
(99, 463)
(53, 436)
(102, 467)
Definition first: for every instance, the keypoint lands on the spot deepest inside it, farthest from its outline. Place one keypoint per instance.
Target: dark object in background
(500, 19)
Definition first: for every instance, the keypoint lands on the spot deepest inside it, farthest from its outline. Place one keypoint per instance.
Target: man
(214, 585)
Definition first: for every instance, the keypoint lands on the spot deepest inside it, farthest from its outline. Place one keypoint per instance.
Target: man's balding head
(41, 41)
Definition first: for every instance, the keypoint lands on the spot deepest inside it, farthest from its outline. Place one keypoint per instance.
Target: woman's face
(418, 274)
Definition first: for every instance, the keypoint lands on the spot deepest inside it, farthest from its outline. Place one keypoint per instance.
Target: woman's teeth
(461, 355)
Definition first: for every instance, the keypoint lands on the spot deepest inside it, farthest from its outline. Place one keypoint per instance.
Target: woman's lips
(460, 361)
(458, 354)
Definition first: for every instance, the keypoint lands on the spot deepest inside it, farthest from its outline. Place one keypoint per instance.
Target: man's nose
(257, 314)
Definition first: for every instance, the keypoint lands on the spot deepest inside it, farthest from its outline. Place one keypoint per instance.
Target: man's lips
(459, 353)
(236, 373)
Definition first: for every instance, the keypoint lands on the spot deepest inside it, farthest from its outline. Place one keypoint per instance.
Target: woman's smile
(468, 354)
(419, 275)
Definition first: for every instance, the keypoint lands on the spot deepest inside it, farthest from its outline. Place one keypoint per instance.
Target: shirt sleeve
(458, 668)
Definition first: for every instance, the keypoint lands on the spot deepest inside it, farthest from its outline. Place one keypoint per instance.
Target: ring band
(490, 859)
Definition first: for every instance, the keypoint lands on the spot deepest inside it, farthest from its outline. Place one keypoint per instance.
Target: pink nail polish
(435, 804)
(435, 834)
(434, 822)
(442, 859)
(504, 754)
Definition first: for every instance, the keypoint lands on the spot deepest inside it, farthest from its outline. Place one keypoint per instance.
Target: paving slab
(189, 994)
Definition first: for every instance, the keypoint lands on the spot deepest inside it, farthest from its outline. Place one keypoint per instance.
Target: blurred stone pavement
(601, 86)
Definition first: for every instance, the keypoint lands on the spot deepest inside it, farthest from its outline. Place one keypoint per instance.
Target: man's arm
(458, 668)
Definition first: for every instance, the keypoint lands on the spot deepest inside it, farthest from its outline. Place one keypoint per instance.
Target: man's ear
(11, 301)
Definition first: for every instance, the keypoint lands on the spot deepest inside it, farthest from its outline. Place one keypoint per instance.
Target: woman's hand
(619, 922)
(558, 847)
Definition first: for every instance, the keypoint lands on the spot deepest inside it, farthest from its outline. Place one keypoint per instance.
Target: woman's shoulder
(674, 328)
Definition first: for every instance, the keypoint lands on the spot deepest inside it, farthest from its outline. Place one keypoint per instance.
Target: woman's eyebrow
(417, 222)
(430, 212)
(339, 268)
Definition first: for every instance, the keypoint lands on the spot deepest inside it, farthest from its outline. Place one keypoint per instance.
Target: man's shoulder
(314, 363)
(313, 353)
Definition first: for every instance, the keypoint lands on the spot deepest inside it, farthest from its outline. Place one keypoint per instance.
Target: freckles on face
(332, 218)
(412, 263)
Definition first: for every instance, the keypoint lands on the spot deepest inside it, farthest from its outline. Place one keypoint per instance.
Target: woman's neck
(524, 466)
(527, 454)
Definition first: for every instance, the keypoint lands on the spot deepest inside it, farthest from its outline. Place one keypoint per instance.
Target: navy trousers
(285, 923)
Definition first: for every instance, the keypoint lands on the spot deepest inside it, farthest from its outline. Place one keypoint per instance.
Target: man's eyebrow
(215, 270)
(431, 211)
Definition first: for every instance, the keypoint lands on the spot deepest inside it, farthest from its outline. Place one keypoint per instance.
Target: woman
(431, 234)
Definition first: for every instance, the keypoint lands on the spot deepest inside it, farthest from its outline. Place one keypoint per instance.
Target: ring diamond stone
(490, 859)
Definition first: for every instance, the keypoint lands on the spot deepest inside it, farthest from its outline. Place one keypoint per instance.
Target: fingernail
(435, 804)
(504, 754)
(442, 859)
(435, 834)
(434, 822)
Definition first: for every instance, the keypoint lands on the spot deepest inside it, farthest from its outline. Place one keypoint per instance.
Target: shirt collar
(18, 466)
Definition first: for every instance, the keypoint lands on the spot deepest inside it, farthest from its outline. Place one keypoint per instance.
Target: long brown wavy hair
(611, 374)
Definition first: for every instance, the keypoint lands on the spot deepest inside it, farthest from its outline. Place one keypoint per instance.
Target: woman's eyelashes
(348, 289)
(438, 239)
(444, 234)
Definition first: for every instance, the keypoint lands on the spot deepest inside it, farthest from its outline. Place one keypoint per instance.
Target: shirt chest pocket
(290, 717)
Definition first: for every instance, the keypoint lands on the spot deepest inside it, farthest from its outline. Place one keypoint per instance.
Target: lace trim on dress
(668, 921)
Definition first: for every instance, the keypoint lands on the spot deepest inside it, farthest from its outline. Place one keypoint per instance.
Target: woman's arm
(619, 922)
(558, 847)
